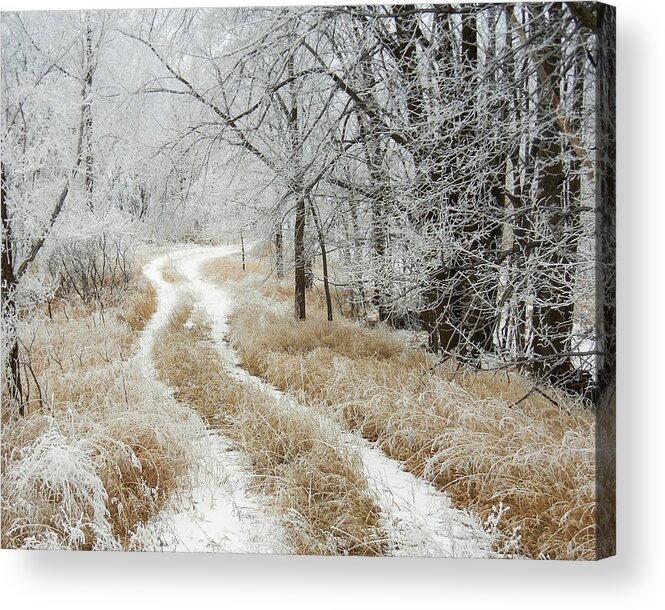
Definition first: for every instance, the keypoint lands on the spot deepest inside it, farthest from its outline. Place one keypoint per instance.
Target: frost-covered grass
(102, 447)
(527, 469)
(141, 308)
(219, 270)
(317, 486)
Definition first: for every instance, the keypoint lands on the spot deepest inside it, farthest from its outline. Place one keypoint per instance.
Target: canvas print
(325, 280)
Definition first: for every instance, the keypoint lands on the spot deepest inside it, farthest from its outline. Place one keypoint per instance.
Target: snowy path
(218, 514)
(418, 519)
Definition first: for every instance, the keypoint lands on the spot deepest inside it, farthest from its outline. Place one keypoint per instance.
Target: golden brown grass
(141, 307)
(101, 449)
(218, 270)
(460, 430)
(318, 488)
(260, 278)
(83, 346)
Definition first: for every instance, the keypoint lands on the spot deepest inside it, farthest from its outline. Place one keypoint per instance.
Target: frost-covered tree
(438, 159)
(43, 123)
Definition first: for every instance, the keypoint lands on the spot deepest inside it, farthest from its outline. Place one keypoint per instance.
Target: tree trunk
(553, 301)
(309, 272)
(522, 180)
(89, 70)
(459, 308)
(299, 265)
(12, 371)
(480, 285)
(359, 299)
(437, 306)
(324, 259)
(297, 190)
(379, 184)
(279, 251)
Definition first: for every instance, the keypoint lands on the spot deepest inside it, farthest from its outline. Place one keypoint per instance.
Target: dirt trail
(218, 514)
(418, 519)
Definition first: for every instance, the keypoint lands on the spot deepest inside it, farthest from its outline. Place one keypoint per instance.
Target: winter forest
(315, 280)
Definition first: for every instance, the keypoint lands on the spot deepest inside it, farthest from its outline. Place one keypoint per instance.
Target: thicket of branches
(442, 160)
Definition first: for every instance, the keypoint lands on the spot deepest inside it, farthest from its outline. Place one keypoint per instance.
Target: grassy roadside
(318, 489)
(101, 449)
(528, 467)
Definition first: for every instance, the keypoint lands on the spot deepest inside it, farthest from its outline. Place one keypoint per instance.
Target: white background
(117, 580)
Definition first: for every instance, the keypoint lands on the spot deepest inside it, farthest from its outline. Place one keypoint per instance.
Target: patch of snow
(218, 514)
(419, 518)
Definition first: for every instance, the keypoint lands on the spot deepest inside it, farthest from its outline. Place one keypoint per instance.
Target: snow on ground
(218, 513)
(418, 519)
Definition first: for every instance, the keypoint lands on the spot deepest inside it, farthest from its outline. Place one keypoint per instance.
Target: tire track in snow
(218, 513)
(418, 519)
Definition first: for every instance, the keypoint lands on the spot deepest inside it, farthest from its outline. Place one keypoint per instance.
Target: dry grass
(101, 449)
(318, 488)
(141, 307)
(279, 290)
(460, 430)
(342, 337)
(218, 270)
(258, 277)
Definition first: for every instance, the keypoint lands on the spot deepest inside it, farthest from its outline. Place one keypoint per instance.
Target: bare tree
(18, 179)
